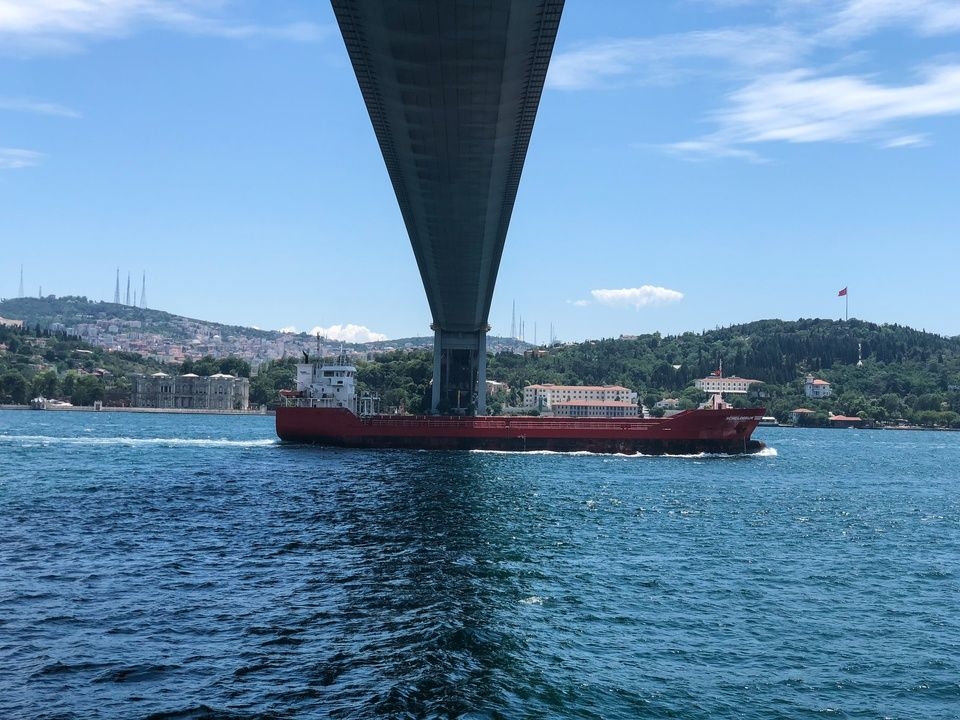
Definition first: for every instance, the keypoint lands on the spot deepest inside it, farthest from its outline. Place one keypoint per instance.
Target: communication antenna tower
(21, 282)
(116, 292)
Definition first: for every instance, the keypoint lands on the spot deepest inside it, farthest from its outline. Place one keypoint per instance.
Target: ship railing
(506, 423)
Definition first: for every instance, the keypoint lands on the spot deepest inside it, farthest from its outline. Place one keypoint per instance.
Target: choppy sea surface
(187, 567)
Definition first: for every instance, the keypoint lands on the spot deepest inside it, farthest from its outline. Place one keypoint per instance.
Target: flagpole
(846, 312)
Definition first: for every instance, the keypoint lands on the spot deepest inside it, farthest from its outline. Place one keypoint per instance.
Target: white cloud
(348, 333)
(788, 86)
(927, 17)
(667, 58)
(60, 25)
(907, 141)
(37, 107)
(800, 107)
(707, 148)
(15, 158)
(637, 298)
(344, 333)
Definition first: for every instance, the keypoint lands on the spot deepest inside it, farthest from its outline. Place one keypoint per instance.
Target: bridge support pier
(459, 372)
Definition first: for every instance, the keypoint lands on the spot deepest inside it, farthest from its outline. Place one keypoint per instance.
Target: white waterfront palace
(194, 392)
(582, 400)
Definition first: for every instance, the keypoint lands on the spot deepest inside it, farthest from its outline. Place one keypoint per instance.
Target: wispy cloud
(927, 17)
(669, 58)
(41, 26)
(783, 80)
(800, 107)
(343, 333)
(907, 141)
(15, 158)
(711, 148)
(639, 297)
(37, 107)
(857, 18)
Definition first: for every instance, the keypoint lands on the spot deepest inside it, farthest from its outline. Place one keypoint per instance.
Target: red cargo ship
(323, 410)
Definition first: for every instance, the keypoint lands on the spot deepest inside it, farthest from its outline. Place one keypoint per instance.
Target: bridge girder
(452, 88)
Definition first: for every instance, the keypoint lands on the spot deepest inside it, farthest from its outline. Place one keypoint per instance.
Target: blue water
(181, 566)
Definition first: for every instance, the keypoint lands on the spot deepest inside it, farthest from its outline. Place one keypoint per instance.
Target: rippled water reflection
(185, 567)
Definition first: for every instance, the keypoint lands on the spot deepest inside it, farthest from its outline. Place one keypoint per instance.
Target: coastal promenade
(169, 411)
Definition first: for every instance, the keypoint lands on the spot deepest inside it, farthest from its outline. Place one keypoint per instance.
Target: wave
(564, 453)
(122, 441)
(765, 452)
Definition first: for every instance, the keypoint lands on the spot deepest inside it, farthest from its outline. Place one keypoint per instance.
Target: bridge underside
(452, 88)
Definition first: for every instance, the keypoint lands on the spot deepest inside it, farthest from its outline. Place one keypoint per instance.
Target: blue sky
(695, 163)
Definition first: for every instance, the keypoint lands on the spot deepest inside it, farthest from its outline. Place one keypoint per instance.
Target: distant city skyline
(694, 164)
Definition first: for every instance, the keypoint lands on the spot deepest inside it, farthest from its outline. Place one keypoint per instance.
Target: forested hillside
(905, 373)
(35, 362)
(71, 310)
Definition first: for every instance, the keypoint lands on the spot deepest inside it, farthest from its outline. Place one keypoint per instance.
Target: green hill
(879, 372)
(904, 373)
(72, 310)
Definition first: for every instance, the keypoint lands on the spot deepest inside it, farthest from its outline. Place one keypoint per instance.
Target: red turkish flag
(842, 293)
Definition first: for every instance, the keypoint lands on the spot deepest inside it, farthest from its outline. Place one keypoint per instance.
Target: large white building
(581, 400)
(192, 392)
(816, 388)
(716, 383)
(595, 408)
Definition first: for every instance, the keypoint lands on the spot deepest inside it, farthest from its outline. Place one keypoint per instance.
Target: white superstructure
(331, 385)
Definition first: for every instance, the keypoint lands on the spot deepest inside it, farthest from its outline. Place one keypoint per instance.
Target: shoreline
(172, 411)
(200, 411)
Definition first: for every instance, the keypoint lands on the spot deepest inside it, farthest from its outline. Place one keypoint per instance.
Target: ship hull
(724, 431)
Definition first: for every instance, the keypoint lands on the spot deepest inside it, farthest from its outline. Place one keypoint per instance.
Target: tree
(69, 383)
(87, 390)
(13, 387)
(892, 403)
(929, 401)
(206, 366)
(270, 380)
(235, 366)
(45, 384)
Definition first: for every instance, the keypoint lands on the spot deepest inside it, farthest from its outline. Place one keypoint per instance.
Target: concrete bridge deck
(452, 88)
